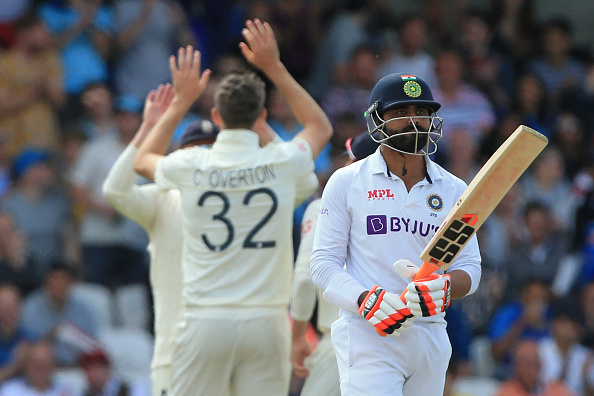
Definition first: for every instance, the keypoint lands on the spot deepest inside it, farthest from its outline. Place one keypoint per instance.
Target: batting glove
(429, 296)
(386, 312)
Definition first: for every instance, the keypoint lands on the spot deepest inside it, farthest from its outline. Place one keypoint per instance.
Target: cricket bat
(480, 198)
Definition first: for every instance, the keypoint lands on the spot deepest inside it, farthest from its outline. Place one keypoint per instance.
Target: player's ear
(216, 118)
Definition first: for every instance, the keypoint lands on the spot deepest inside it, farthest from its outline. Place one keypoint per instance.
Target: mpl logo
(377, 224)
(380, 195)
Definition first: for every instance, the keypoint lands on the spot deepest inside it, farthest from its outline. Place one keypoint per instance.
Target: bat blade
(480, 198)
(483, 194)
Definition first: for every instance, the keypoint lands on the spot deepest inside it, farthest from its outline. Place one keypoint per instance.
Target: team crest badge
(435, 202)
(412, 89)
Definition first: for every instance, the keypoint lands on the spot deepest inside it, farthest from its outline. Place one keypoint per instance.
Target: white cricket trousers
(412, 364)
(161, 379)
(323, 376)
(232, 351)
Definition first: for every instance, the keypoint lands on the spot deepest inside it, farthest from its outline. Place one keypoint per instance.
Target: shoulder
(297, 147)
(449, 180)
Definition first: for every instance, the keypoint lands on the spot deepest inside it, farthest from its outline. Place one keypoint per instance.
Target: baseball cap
(27, 159)
(128, 104)
(361, 146)
(198, 130)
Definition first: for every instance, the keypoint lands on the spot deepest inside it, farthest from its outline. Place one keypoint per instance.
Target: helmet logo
(412, 89)
(435, 202)
(371, 108)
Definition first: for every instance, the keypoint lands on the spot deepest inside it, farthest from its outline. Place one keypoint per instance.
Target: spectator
(564, 359)
(13, 339)
(54, 308)
(526, 379)
(37, 378)
(514, 25)
(560, 72)
(546, 182)
(97, 112)
(530, 101)
(102, 380)
(10, 12)
(461, 104)
(346, 30)
(16, 264)
(113, 247)
(148, 31)
(538, 250)
(82, 31)
(412, 56)
(40, 209)
(490, 71)
(30, 88)
(526, 317)
(571, 138)
(352, 94)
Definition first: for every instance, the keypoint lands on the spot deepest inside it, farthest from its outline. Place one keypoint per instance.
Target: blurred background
(74, 274)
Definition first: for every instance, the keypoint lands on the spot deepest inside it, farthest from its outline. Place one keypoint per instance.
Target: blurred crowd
(73, 78)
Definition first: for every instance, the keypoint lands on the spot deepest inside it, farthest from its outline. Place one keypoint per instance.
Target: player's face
(405, 126)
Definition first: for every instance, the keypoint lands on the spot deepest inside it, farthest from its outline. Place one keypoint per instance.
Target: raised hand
(157, 101)
(188, 81)
(261, 49)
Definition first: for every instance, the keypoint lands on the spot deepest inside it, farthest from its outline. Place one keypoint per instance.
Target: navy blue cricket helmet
(398, 89)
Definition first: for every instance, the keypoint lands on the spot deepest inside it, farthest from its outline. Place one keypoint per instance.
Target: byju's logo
(377, 224)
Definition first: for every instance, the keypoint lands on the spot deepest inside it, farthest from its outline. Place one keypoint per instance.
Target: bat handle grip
(425, 270)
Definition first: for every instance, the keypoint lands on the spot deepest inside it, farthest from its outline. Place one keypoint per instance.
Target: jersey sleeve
(138, 203)
(303, 299)
(168, 171)
(302, 162)
(330, 245)
(306, 186)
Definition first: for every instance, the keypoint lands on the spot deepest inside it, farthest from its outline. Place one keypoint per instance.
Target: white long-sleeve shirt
(303, 299)
(368, 220)
(159, 213)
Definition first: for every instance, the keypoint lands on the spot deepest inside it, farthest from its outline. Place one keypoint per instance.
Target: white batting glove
(429, 296)
(386, 312)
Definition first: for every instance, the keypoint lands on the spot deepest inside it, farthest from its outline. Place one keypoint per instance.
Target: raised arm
(262, 51)
(119, 187)
(188, 84)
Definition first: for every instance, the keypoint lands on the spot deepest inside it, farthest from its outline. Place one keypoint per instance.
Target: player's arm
(188, 83)
(119, 187)
(262, 51)
(330, 246)
(303, 298)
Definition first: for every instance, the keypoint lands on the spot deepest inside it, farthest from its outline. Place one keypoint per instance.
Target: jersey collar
(378, 165)
(236, 138)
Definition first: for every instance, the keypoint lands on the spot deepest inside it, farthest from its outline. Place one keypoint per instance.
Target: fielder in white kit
(320, 368)
(373, 213)
(159, 213)
(237, 205)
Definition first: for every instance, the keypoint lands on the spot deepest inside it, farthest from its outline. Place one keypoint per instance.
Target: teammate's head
(239, 100)
(402, 115)
(198, 133)
(360, 147)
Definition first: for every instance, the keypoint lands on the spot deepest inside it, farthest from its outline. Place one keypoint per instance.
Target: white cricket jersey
(159, 213)
(237, 204)
(303, 300)
(368, 220)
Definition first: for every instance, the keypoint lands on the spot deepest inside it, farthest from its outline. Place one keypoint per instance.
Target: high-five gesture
(261, 49)
(188, 81)
(157, 101)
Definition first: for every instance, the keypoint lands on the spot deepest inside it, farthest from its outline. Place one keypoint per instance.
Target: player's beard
(408, 142)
